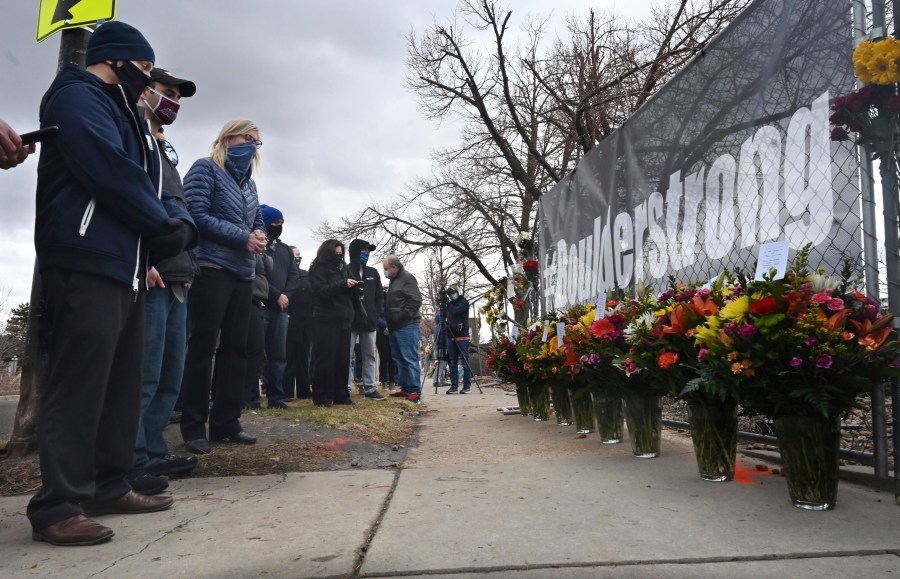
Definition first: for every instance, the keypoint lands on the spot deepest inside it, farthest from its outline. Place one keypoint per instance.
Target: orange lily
(704, 307)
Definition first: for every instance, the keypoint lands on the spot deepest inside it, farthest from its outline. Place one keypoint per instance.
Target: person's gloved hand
(172, 243)
(382, 323)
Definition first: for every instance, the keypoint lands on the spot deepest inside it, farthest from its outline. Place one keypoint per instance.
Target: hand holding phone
(39, 135)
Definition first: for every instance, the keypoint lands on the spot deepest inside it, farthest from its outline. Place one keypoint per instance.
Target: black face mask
(338, 259)
(274, 231)
(133, 78)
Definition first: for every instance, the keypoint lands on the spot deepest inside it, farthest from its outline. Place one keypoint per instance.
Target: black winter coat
(332, 299)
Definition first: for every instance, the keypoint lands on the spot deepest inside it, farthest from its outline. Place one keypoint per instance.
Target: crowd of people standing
(156, 290)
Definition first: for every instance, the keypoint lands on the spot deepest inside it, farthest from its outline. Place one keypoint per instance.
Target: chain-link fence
(734, 152)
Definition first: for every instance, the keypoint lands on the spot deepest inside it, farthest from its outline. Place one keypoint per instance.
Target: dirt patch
(305, 438)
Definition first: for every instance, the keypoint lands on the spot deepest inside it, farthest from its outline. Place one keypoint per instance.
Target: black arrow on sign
(62, 10)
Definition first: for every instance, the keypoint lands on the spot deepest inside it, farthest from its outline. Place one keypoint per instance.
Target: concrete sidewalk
(483, 494)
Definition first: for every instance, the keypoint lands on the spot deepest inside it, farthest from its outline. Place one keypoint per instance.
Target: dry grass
(387, 422)
(304, 438)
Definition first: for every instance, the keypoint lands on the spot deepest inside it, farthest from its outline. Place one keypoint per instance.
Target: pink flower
(820, 298)
(796, 362)
(835, 304)
(702, 353)
(823, 361)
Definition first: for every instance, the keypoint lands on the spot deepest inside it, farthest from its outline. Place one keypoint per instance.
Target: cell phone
(40, 135)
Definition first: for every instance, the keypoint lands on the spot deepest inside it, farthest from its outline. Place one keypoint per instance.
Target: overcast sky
(323, 79)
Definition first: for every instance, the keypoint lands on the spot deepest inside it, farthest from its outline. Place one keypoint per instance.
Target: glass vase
(643, 414)
(539, 396)
(582, 410)
(810, 450)
(559, 393)
(714, 432)
(522, 397)
(609, 417)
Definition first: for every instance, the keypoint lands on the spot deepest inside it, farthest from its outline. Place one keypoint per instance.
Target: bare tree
(527, 115)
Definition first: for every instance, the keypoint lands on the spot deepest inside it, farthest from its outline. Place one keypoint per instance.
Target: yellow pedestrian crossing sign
(58, 14)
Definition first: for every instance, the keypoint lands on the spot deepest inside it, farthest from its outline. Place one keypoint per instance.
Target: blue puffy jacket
(98, 188)
(226, 210)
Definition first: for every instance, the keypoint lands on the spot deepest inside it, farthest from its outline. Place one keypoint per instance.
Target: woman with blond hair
(221, 197)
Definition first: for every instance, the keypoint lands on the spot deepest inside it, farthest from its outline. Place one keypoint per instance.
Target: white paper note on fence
(772, 255)
(514, 333)
(546, 331)
(560, 333)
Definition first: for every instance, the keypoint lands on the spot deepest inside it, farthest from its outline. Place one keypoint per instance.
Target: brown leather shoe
(131, 503)
(73, 532)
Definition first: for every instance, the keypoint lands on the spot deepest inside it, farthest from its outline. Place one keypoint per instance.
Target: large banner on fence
(733, 152)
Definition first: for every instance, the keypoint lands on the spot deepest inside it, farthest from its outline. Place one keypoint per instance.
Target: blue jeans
(367, 352)
(275, 325)
(165, 341)
(459, 353)
(405, 350)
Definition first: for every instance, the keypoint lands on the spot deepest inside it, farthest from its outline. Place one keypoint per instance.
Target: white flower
(821, 283)
(644, 322)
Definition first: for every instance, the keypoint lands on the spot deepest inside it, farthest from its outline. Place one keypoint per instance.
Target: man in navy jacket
(98, 214)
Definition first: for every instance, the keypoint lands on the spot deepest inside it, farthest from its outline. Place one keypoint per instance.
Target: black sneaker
(277, 405)
(453, 390)
(147, 484)
(465, 390)
(374, 394)
(170, 464)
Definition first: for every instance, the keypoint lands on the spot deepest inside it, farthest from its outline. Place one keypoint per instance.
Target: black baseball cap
(187, 88)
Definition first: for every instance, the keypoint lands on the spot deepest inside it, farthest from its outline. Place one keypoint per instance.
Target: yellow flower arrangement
(876, 62)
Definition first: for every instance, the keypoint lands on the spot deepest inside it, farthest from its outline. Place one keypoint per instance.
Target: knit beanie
(270, 215)
(117, 41)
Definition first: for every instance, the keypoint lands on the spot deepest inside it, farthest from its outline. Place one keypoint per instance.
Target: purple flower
(747, 330)
(594, 359)
(702, 354)
(823, 361)
(810, 342)
(730, 327)
(513, 369)
(796, 362)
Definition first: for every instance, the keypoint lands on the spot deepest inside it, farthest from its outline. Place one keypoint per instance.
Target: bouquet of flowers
(804, 345)
(502, 359)
(871, 111)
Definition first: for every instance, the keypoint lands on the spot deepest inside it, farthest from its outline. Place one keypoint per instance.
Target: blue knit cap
(117, 41)
(270, 215)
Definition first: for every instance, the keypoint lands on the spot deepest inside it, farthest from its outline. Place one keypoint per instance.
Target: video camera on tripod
(443, 299)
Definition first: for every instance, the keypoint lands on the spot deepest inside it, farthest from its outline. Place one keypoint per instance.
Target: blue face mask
(363, 257)
(387, 274)
(242, 156)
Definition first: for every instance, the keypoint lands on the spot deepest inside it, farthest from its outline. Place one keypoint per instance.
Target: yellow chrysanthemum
(861, 57)
(735, 310)
(883, 70)
(588, 318)
(707, 333)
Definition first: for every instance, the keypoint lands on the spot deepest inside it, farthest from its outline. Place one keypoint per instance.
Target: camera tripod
(440, 353)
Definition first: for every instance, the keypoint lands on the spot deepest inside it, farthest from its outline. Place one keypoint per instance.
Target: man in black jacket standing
(298, 369)
(367, 312)
(402, 311)
(166, 306)
(283, 281)
(98, 210)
